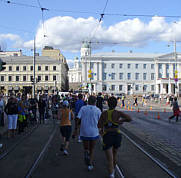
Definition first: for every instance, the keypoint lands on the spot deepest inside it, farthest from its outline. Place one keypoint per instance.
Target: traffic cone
(138, 110)
(150, 108)
(158, 116)
(121, 105)
(128, 108)
(125, 107)
(131, 108)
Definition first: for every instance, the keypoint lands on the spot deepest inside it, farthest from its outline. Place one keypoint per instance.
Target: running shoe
(90, 167)
(65, 152)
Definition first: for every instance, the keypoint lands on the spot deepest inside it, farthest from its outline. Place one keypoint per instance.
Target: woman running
(65, 115)
(109, 127)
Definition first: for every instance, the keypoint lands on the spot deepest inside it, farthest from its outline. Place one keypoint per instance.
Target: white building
(130, 73)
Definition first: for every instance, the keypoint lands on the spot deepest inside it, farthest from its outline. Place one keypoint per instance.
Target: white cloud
(67, 33)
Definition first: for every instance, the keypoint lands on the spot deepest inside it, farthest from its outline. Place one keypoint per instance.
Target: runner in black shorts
(109, 127)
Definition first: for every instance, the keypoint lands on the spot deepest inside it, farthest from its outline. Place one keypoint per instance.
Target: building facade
(50, 74)
(130, 73)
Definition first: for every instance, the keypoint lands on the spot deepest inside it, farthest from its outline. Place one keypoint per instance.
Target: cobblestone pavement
(157, 132)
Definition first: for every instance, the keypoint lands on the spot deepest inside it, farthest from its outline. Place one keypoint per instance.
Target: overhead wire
(89, 12)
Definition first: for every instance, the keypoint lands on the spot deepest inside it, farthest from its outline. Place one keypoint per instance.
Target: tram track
(131, 137)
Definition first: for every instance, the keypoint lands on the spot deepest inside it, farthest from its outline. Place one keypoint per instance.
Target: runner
(89, 132)
(109, 127)
(65, 115)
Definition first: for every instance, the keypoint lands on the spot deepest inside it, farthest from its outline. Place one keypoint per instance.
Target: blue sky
(65, 26)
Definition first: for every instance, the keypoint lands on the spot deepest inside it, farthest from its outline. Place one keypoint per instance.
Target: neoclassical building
(51, 72)
(129, 73)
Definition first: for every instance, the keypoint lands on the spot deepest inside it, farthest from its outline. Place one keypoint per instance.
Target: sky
(64, 25)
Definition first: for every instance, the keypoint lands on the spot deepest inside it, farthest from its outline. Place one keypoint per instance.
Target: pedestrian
(78, 104)
(109, 127)
(2, 104)
(89, 132)
(99, 101)
(65, 115)
(41, 108)
(122, 99)
(135, 101)
(11, 109)
(175, 109)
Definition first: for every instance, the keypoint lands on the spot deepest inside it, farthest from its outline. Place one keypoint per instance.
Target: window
(39, 78)
(144, 76)
(152, 87)
(24, 68)
(112, 87)
(129, 76)
(129, 66)
(167, 66)
(46, 68)
(112, 66)
(39, 68)
(159, 75)
(104, 87)
(9, 78)
(24, 78)
(121, 76)
(2, 78)
(144, 66)
(159, 66)
(113, 76)
(10, 68)
(17, 78)
(136, 66)
(144, 87)
(54, 68)
(54, 77)
(17, 68)
(152, 76)
(152, 66)
(136, 87)
(91, 65)
(31, 68)
(120, 66)
(120, 87)
(136, 76)
(104, 76)
(46, 77)
(31, 78)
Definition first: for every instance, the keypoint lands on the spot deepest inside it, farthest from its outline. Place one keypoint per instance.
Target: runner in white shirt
(89, 116)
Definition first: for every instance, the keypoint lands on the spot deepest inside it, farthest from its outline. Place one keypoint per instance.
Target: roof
(128, 55)
(29, 59)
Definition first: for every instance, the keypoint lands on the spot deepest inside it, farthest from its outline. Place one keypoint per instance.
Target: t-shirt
(89, 116)
(66, 117)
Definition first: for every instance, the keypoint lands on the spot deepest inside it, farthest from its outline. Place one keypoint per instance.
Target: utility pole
(34, 56)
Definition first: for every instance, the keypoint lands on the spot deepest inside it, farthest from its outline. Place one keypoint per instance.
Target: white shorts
(12, 121)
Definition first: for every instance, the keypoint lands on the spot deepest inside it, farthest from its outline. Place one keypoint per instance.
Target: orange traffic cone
(158, 116)
(150, 108)
(121, 105)
(131, 108)
(125, 107)
(138, 110)
(128, 108)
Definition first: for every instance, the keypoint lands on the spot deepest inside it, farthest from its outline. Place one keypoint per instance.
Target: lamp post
(34, 56)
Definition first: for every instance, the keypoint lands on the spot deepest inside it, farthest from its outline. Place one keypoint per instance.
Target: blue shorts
(89, 138)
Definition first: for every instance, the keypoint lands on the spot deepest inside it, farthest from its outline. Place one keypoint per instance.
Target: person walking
(2, 104)
(176, 110)
(65, 115)
(89, 132)
(78, 104)
(41, 108)
(109, 127)
(99, 101)
(11, 109)
(122, 99)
